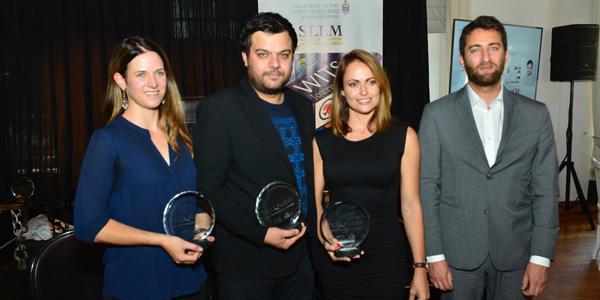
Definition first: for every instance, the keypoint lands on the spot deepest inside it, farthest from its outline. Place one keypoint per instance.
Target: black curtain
(53, 71)
(54, 56)
(405, 57)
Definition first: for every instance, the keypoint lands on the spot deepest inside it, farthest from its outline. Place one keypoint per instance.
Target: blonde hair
(171, 112)
(382, 118)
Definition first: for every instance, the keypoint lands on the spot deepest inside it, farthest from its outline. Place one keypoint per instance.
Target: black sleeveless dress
(367, 172)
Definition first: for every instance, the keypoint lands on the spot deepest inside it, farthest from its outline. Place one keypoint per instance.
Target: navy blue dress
(125, 178)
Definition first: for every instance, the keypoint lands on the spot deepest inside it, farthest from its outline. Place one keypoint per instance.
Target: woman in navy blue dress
(132, 167)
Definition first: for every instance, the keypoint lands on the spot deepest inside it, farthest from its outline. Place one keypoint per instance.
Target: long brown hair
(171, 112)
(382, 118)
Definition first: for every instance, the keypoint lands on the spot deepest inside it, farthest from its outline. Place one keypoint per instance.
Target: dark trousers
(486, 282)
(200, 295)
(297, 286)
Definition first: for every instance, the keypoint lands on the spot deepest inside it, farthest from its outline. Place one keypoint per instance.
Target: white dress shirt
(489, 120)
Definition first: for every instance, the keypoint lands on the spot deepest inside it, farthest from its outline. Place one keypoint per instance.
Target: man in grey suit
(488, 180)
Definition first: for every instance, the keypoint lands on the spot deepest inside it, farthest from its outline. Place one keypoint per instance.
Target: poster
(326, 30)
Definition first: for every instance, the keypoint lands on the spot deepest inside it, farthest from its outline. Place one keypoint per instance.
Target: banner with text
(326, 30)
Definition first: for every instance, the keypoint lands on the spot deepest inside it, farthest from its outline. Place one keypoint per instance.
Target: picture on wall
(523, 64)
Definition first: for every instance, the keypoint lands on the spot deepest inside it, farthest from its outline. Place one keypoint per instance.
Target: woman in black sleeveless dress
(367, 158)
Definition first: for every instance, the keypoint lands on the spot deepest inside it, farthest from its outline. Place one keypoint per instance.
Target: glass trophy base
(203, 243)
(294, 225)
(347, 252)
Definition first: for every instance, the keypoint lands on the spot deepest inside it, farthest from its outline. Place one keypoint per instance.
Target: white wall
(436, 42)
(545, 14)
(596, 88)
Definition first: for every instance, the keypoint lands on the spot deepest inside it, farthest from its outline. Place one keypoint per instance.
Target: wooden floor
(573, 274)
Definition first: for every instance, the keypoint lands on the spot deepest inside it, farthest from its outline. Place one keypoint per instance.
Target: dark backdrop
(54, 56)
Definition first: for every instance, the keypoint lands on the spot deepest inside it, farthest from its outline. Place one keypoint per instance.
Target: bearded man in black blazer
(246, 136)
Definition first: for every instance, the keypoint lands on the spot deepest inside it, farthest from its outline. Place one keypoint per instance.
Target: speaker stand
(567, 162)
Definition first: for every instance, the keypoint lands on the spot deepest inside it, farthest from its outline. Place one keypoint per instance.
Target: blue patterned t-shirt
(284, 120)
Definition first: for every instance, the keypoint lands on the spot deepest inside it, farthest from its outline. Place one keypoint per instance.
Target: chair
(66, 268)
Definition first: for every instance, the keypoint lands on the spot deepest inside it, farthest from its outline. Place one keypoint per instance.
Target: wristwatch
(419, 265)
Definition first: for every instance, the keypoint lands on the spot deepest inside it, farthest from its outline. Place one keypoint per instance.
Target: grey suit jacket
(509, 211)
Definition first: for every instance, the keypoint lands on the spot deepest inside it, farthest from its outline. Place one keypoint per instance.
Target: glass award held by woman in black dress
(345, 223)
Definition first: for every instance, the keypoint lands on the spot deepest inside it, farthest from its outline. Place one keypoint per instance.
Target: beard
(261, 84)
(487, 79)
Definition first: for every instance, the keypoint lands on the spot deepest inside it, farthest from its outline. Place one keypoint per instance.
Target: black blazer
(237, 152)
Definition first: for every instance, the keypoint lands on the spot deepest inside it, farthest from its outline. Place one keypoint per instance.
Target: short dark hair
(268, 22)
(485, 23)
(530, 62)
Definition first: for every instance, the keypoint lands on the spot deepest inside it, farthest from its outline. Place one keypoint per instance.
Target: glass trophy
(348, 223)
(22, 188)
(190, 216)
(278, 205)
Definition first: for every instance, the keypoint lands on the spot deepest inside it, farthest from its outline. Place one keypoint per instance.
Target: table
(52, 206)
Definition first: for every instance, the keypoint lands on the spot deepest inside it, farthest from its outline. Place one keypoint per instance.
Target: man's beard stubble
(484, 80)
(258, 84)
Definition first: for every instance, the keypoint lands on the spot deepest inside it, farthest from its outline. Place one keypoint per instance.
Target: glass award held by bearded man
(278, 205)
